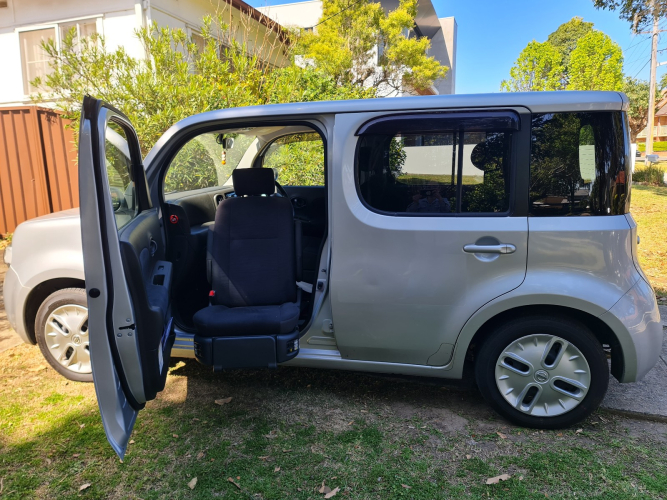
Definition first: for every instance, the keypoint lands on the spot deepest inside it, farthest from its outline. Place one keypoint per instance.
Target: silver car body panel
(404, 316)
(584, 278)
(118, 416)
(44, 248)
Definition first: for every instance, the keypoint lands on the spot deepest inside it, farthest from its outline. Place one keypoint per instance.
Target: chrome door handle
(502, 248)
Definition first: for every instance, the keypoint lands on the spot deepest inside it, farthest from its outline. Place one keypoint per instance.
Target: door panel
(402, 286)
(127, 280)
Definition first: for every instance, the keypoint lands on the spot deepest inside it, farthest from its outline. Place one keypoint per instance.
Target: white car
(432, 233)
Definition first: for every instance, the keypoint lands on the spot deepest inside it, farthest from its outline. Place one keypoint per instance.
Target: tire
(61, 329)
(506, 383)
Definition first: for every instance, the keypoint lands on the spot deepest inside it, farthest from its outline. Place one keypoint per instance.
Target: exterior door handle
(502, 248)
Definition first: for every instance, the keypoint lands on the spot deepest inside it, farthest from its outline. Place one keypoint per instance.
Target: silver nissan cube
(438, 236)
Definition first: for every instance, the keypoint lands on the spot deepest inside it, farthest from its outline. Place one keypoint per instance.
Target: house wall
(299, 14)
(116, 20)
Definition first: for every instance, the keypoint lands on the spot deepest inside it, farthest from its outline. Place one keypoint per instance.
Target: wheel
(61, 328)
(542, 371)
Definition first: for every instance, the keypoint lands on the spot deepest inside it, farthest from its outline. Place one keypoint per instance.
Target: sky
(492, 33)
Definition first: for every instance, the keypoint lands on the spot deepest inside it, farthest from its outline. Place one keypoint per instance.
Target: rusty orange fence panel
(38, 171)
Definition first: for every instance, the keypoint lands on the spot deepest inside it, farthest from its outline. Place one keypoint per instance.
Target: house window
(35, 61)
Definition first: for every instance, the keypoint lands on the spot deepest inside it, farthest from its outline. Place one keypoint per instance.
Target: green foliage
(191, 168)
(596, 64)
(658, 146)
(638, 94)
(178, 78)
(653, 174)
(298, 159)
(538, 67)
(575, 57)
(343, 46)
(565, 38)
(637, 12)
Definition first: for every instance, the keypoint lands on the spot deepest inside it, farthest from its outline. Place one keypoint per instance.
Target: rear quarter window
(579, 164)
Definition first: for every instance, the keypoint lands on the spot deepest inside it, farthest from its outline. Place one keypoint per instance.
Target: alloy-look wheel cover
(66, 336)
(542, 375)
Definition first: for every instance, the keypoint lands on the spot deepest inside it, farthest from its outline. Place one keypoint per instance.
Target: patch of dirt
(441, 418)
(645, 429)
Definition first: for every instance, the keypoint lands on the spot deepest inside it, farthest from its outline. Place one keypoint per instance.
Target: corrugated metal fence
(38, 170)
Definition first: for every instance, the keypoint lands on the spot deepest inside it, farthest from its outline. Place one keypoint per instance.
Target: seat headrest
(253, 181)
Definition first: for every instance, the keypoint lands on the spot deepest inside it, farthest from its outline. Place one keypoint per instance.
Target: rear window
(579, 164)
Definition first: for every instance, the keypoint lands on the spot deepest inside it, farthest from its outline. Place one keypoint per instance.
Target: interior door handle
(501, 248)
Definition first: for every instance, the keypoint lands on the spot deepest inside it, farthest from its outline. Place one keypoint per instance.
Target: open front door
(127, 277)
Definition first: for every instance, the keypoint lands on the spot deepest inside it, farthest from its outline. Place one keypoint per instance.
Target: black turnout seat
(254, 311)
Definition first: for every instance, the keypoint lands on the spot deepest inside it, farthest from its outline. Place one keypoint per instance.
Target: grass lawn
(649, 209)
(286, 432)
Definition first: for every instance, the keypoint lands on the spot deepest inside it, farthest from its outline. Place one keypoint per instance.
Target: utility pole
(651, 95)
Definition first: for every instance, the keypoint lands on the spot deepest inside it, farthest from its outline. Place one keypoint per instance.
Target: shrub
(652, 174)
(657, 146)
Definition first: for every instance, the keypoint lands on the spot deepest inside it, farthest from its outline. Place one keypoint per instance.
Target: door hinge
(327, 326)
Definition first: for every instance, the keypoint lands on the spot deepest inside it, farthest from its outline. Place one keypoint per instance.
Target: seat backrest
(253, 247)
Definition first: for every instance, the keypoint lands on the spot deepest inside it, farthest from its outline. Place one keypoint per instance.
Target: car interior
(240, 243)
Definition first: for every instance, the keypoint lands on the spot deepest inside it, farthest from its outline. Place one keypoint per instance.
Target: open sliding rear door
(127, 278)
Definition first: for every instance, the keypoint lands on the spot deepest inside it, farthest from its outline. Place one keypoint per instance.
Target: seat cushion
(222, 321)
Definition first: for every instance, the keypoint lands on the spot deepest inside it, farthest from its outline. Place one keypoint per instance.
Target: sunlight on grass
(649, 209)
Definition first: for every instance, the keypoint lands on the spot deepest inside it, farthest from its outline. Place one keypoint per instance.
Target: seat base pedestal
(256, 351)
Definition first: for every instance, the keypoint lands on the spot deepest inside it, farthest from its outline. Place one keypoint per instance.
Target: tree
(596, 64)
(637, 12)
(638, 92)
(575, 57)
(178, 78)
(357, 43)
(565, 38)
(538, 67)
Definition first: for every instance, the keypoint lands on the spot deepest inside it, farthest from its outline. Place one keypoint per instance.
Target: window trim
(55, 25)
(515, 161)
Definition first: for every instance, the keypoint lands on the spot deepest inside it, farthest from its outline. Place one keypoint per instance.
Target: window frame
(518, 161)
(56, 26)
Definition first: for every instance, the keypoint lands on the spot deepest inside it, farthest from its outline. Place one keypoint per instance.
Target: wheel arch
(597, 326)
(38, 295)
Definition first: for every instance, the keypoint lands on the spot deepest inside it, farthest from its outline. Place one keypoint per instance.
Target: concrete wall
(443, 48)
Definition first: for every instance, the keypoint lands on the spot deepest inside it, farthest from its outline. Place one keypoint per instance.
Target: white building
(24, 24)
(441, 31)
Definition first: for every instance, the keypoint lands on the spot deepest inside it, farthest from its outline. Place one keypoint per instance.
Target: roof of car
(536, 102)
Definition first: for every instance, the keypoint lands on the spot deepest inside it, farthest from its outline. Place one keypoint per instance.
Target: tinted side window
(579, 164)
(439, 172)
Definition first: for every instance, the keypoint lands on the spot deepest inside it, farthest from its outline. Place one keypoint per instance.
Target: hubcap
(542, 375)
(66, 334)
